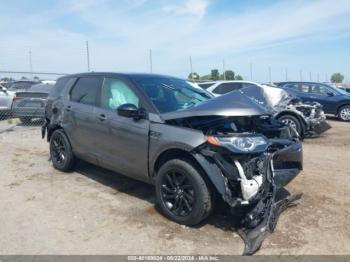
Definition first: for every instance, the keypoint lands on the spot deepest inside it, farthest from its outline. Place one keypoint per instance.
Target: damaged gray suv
(192, 147)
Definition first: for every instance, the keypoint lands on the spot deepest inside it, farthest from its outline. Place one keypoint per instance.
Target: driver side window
(115, 93)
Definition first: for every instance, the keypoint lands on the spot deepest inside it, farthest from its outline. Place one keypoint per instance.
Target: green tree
(337, 78)
(215, 75)
(229, 75)
(36, 78)
(238, 77)
(24, 78)
(193, 76)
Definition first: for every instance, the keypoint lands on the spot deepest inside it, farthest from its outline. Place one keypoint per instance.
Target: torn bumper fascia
(317, 126)
(316, 123)
(263, 209)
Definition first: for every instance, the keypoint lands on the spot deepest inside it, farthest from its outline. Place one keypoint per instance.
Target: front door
(122, 143)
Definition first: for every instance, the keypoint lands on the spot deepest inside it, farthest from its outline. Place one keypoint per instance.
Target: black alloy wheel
(177, 193)
(61, 151)
(183, 194)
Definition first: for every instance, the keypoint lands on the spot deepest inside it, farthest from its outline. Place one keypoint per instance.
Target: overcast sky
(311, 35)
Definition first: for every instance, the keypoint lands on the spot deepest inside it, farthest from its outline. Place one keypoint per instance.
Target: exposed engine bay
(248, 159)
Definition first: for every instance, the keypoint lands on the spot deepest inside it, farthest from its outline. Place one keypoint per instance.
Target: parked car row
(24, 100)
(307, 118)
(335, 101)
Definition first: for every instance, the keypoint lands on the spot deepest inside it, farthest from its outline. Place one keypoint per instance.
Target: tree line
(215, 75)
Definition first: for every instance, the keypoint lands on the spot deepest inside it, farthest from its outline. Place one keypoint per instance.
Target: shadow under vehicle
(192, 147)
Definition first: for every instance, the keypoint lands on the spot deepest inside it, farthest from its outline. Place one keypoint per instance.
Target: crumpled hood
(231, 104)
(274, 99)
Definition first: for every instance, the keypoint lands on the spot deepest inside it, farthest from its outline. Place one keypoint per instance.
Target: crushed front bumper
(259, 214)
(317, 123)
(319, 127)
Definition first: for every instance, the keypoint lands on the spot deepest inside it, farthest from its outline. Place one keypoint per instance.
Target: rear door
(80, 119)
(121, 143)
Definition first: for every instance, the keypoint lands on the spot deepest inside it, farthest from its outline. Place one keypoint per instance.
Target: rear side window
(60, 85)
(85, 90)
(226, 88)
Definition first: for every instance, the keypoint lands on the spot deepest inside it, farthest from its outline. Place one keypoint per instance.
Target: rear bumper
(29, 112)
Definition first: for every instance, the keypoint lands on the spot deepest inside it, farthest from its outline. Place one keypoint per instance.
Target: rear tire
(61, 151)
(182, 193)
(344, 113)
(293, 122)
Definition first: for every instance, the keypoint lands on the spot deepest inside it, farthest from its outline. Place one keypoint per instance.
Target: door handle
(102, 117)
(68, 108)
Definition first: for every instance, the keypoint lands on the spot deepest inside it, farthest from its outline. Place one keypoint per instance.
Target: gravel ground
(94, 211)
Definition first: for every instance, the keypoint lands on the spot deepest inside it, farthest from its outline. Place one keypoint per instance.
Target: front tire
(293, 122)
(182, 193)
(344, 113)
(61, 151)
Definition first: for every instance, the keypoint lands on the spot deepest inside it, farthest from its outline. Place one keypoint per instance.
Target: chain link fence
(22, 102)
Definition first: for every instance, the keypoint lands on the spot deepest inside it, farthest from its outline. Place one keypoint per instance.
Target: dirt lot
(94, 211)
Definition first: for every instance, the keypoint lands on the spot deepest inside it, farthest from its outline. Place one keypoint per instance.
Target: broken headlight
(243, 143)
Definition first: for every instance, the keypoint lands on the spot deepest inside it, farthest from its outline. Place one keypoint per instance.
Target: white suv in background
(6, 99)
(218, 88)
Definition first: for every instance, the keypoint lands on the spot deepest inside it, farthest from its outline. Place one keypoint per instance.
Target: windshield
(339, 90)
(171, 94)
(20, 86)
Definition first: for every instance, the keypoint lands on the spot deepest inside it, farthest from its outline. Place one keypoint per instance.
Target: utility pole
(30, 64)
(270, 75)
(150, 61)
(286, 74)
(88, 56)
(310, 74)
(318, 77)
(191, 68)
(301, 75)
(223, 69)
(251, 71)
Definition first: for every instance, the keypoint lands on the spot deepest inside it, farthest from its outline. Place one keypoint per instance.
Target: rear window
(205, 86)
(20, 86)
(226, 88)
(85, 90)
(44, 88)
(60, 85)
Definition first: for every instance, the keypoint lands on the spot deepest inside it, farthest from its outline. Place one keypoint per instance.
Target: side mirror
(330, 93)
(131, 111)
